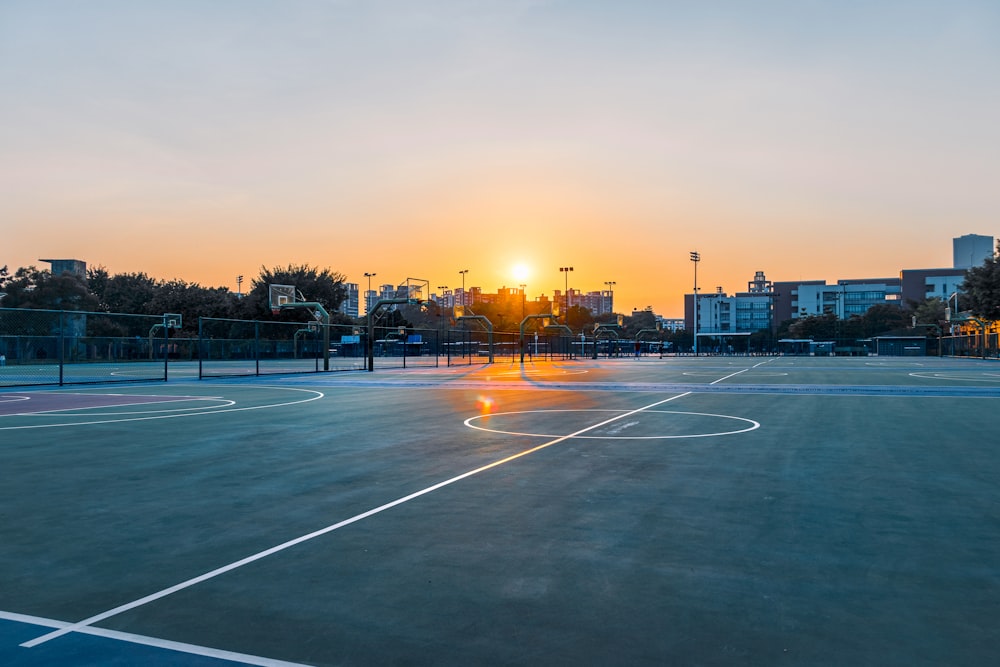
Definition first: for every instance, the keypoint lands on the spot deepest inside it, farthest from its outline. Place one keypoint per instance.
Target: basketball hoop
(278, 296)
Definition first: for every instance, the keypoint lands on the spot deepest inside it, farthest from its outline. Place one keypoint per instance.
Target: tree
(578, 317)
(882, 318)
(982, 289)
(191, 301)
(643, 319)
(30, 287)
(815, 327)
(97, 282)
(931, 311)
(325, 287)
(128, 293)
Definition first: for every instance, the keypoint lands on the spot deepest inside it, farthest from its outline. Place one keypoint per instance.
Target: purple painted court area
(39, 402)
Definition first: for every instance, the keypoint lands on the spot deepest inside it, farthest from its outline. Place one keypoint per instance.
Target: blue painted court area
(710, 511)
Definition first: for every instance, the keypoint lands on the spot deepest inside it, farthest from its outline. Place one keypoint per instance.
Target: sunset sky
(204, 139)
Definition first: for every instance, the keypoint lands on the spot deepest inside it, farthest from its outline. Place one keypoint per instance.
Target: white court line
(322, 531)
(757, 365)
(155, 642)
(192, 413)
(71, 412)
(728, 376)
(756, 425)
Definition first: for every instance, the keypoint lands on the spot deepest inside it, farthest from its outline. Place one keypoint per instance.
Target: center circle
(616, 426)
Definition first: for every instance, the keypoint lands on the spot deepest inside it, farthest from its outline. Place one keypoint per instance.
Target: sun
(521, 272)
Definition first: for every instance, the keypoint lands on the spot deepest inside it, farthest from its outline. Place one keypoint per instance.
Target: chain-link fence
(242, 347)
(41, 347)
(972, 345)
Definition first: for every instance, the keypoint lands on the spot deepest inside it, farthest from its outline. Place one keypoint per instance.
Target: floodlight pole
(611, 291)
(369, 276)
(695, 257)
(463, 272)
(565, 270)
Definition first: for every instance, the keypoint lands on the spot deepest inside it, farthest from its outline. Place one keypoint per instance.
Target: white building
(846, 298)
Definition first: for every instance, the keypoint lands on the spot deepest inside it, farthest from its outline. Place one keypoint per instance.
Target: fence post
(62, 342)
(166, 348)
(201, 346)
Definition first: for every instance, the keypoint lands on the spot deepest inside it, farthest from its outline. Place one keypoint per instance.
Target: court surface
(679, 511)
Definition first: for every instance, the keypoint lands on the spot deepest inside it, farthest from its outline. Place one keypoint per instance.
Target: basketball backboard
(280, 295)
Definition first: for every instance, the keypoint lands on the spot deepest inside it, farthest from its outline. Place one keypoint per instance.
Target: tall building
(971, 250)
(446, 299)
(598, 302)
(371, 298)
(350, 304)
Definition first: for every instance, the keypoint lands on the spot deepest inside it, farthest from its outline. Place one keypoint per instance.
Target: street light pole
(695, 257)
(368, 304)
(565, 271)
(463, 272)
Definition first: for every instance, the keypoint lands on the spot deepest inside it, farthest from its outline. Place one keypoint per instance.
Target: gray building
(971, 250)
(77, 267)
(921, 284)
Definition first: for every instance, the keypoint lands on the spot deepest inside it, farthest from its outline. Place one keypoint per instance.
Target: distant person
(638, 349)
(3, 359)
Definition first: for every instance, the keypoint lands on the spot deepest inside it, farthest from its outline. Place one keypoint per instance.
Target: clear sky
(204, 139)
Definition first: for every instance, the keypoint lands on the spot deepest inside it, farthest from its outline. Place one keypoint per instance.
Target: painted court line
(154, 642)
(184, 413)
(950, 390)
(78, 626)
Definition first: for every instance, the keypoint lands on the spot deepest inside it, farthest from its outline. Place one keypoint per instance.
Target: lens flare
(485, 404)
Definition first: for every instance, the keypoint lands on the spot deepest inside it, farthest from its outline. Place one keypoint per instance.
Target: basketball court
(709, 511)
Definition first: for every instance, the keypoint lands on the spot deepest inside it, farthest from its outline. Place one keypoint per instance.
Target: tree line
(139, 294)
